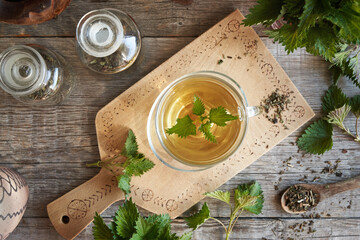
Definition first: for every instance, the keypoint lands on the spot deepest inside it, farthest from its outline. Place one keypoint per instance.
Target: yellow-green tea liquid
(196, 150)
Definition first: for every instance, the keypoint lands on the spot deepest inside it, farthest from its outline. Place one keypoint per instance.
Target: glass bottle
(35, 75)
(108, 40)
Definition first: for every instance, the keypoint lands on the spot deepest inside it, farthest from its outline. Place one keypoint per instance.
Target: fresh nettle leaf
(186, 236)
(100, 230)
(317, 138)
(126, 218)
(124, 183)
(337, 118)
(128, 224)
(185, 126)
(289, 36)
(334, 99)
(248, 197)
(138, 165)
(131, 146)
(355, 105)
(145, 230)
(135, 164)
(198, 108)
(220, 195)
(266, 12)
(347, 18)
(322, 41)
(199, 218)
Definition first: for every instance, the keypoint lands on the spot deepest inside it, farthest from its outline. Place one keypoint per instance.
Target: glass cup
(36, 75)
(195, 153)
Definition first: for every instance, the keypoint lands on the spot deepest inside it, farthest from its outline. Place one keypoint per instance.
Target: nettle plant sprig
(185, 126)
(317, 138)
(136, 164)
(247, 197)
(329, 28)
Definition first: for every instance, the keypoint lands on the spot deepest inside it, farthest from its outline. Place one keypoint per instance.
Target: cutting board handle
(72, 212)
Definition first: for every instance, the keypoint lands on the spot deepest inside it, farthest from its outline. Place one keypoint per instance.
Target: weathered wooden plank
(265, 228)
(155, 18)
(48, 181)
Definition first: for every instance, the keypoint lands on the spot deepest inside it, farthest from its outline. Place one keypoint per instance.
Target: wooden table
(50, 146)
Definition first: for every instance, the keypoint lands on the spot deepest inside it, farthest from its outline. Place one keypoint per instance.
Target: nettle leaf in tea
(185, 126)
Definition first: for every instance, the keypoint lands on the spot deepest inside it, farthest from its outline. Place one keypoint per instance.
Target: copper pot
(28, 12)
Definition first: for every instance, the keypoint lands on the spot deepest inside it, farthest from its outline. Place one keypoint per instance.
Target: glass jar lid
(22, 70)
(100, 33)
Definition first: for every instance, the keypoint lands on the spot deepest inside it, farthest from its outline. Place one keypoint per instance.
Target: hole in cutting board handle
(65, 219)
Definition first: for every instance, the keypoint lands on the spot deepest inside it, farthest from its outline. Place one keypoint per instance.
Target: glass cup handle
(253, 111)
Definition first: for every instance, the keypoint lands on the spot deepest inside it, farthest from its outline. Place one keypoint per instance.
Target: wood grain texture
(51, 146)
(247, 228)
(159, 18)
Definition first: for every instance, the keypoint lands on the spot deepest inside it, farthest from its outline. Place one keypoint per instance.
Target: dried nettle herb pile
(274, 105)
(299, 198)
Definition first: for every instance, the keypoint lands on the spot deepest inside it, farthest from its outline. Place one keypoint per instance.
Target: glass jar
(108, 40)
(35, 75)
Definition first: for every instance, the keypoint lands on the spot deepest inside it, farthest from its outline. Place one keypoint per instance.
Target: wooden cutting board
(164, 190)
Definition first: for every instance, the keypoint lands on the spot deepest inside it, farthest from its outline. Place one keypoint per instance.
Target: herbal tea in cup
(198, 121)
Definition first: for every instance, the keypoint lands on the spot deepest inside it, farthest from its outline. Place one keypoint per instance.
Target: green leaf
(265, 12)
(100, 230)
(184, 127)
(163, 224)
(126, 218)
(338, 116)
(219, 116)
(336, 73)
(199, 218)
(347, 17)
(145, 230)
(350, 73)
(317, 138)
(198, 108)
(138, 166)
(313, 11)
(249, 197)
(293, 10)
(205, 128)
(288, 35)
(186, 236)
(131, 147)
(321, 40)
(114, 232)
(255, 191)
(220, 195)
(355, 105)
(124, 183)
(334, 98)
